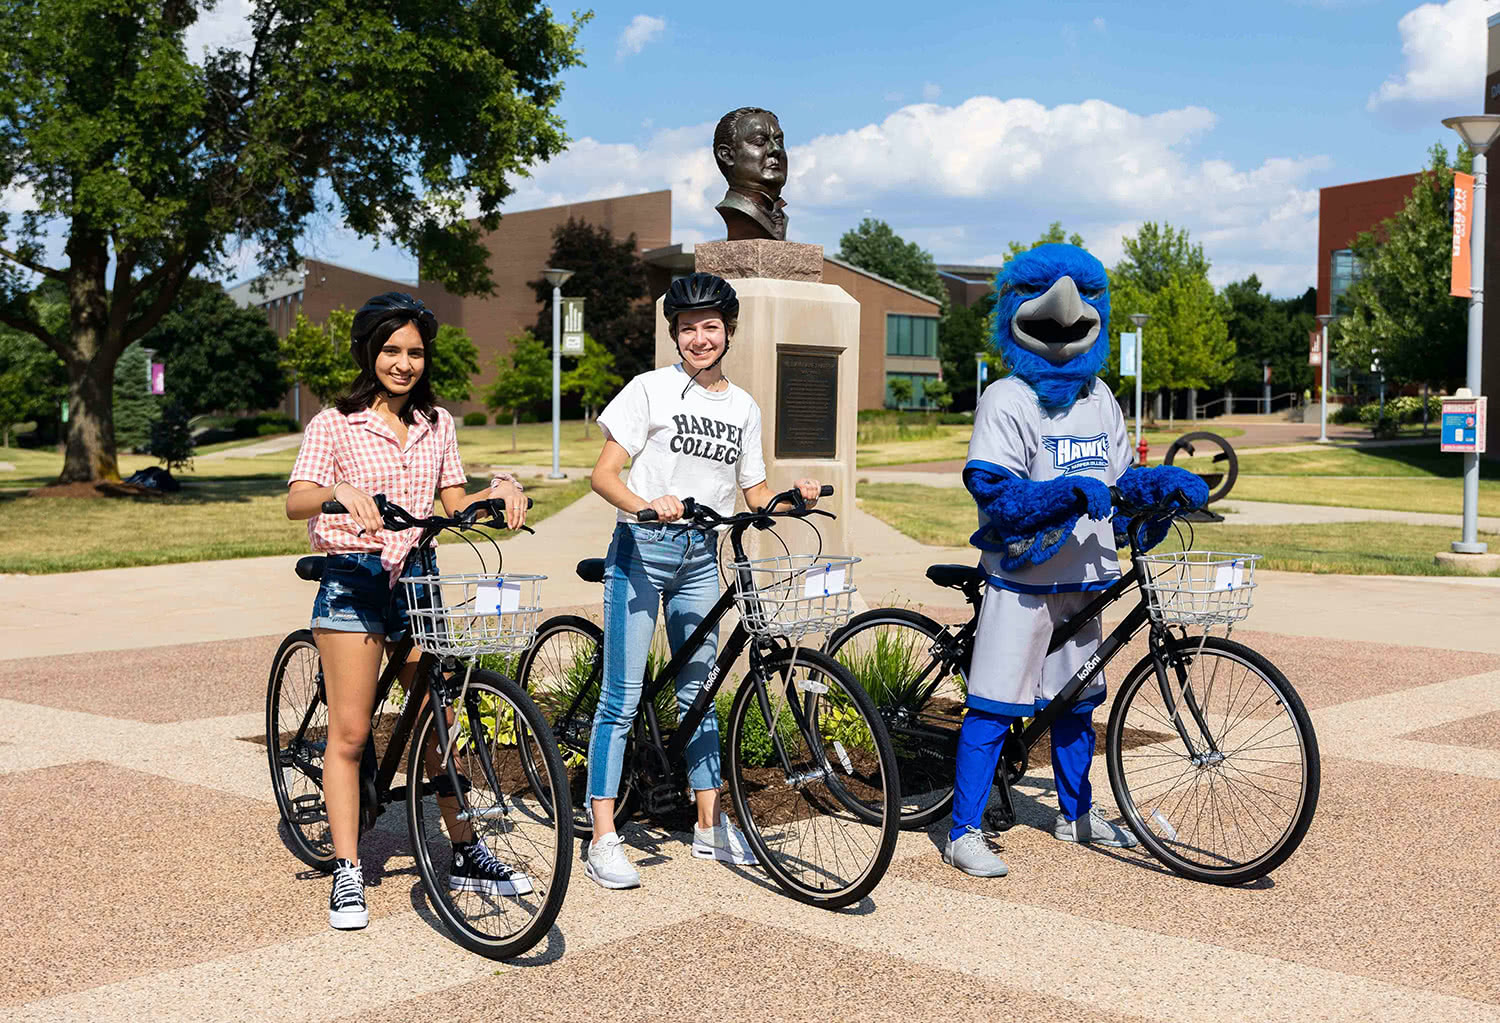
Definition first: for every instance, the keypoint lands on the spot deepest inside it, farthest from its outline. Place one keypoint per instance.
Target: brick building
(898, 326)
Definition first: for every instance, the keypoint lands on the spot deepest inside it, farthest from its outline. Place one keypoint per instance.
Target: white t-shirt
(704, 445)
(1015, 436)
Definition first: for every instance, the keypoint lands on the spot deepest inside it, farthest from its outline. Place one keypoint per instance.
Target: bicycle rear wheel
(296, 738)
(529, 828)
(899, 657)
(561, 670)
(1216, 769)
(824, 821)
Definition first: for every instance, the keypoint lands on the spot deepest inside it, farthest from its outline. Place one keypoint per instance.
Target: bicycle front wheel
(296, 739)
(817, 792)
(900, 658)
(527, 827)
(1216, 766)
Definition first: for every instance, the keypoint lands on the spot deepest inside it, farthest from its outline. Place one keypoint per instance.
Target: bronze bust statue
(751, 153)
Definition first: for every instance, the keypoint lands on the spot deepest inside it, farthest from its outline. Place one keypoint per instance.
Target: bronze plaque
(807, 389)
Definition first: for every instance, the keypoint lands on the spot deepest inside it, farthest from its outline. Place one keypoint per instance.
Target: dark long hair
(367, 386)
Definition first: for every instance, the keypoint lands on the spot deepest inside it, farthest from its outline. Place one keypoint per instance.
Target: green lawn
(229, 515)
(931, 515)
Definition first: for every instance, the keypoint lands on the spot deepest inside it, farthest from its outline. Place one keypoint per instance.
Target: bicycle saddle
(956, 575)
(310, 567)
(591, 570)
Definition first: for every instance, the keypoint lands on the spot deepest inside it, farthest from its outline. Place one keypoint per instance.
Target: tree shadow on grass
(196, 490)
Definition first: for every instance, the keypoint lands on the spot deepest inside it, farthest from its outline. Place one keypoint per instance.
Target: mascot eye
(1092, 294)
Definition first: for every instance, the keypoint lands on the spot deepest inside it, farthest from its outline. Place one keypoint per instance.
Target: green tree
(592, 378)
(963, 335)
(611, 279)
(525, 378)
(318, 355)
(171, 439)
(1400, 305)
(1054, 235)
(875, 247)
(1156, 254)
(1268, 330)
(935, 393)
(453, 364)
(32, 381)
(218, 356)
(135, 407)
(899, 389)
(403, 117)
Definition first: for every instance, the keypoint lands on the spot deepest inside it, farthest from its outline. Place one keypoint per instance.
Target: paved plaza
(144, 878)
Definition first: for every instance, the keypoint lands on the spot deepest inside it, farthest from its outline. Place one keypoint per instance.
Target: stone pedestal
(760, 257)
(1469, 564)
(796, 351)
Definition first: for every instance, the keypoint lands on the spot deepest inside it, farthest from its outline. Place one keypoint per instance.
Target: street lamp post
(1323, 320)
(1479, 132)
(1139, 319)
(556, 278)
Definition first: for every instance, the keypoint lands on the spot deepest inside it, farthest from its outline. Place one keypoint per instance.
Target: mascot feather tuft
(1052, 331)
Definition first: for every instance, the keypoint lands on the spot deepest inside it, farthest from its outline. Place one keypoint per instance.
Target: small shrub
(475, 419)
(171, 439)
(1347, 414)
(755, 748)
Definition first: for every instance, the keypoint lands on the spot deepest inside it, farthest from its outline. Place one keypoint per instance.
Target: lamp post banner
(1315, 348)
(1463, 230)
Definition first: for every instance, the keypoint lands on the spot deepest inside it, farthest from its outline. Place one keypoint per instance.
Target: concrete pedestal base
(760, 257)
(1470, 564)
(796, 318)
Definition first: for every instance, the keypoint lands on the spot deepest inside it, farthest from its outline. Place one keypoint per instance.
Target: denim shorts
(356, 595)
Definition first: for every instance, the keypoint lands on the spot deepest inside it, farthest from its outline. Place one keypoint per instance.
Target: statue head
(750, 150)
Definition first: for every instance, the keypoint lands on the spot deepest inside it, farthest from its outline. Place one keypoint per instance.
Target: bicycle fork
(1210, 753)
(479, 739)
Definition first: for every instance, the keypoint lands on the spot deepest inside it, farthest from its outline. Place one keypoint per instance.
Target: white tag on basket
(823, 580)
(1229, 577)
(500, 598)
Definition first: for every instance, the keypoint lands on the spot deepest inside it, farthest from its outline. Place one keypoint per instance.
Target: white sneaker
(607, 866)
(722, 842)
(1095, 829)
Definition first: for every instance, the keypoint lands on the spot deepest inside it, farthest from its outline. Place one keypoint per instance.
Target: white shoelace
(488, 861)
(348, 886)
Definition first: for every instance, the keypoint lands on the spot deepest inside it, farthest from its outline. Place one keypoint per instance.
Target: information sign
(572, 326)
(1463, 424)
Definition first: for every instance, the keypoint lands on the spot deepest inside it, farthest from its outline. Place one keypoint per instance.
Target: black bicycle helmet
(701, 291)
(393, 305)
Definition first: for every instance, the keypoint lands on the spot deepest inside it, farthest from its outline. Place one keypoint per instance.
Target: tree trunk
(587, 410)
(514, 418)
(1192, 404)
(89, 451)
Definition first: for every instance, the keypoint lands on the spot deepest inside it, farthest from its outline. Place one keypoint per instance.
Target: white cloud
(1098, 24)
(931, 91)
(1443, 46)
(226, 24)
(642, 29)
(964, 180)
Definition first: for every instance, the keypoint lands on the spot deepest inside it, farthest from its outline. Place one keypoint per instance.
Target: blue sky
(966, 125)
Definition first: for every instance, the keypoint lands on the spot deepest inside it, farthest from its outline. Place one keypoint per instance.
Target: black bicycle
(464, 768)
(1212, 757)
(810, 767)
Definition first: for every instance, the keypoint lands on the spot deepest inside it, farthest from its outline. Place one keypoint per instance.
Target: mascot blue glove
(1147, 486)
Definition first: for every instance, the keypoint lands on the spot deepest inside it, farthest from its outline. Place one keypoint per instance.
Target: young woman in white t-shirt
(687, 432)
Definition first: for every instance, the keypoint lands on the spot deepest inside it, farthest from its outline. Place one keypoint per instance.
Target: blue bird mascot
(1049, 441)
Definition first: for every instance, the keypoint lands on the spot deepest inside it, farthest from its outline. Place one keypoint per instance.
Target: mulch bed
(105, 489)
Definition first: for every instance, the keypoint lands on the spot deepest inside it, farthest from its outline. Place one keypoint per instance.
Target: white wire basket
(791, 595)
(468, 615)
(1199, 587)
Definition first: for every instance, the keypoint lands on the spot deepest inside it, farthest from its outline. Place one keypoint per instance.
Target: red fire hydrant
(1140, 452)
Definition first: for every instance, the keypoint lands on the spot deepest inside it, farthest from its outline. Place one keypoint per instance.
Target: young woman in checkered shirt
(386, 436)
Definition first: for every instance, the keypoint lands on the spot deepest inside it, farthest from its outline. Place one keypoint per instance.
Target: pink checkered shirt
(362, 451)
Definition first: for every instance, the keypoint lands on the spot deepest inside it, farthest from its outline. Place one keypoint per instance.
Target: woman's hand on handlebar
(515, 501)
(360, 506)
(810, 489)
(667, 508)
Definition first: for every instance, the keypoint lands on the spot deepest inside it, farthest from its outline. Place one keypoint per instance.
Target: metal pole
(1140, 360)
(978, 377)
(1323, 388)
(556, 380)
(1470, 543)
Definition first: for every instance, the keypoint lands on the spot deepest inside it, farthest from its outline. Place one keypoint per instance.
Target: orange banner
(1463, 227)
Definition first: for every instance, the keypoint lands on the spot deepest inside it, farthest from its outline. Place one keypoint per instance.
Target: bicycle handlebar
(704, 517)
(397, 517)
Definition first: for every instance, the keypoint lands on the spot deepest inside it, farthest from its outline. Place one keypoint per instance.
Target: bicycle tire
(526, 830)
(921, 735)
(550, 679)
(294, 692)
(1256, 781)
(776, 812)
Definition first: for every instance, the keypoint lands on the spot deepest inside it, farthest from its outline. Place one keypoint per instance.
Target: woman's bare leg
(351, 667)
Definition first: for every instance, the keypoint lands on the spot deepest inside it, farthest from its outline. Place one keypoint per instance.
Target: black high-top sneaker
(346, 906)
(475, 869)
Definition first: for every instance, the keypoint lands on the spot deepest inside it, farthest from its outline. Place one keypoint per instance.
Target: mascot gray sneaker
(1049, 443)
(1094, 829)
(970, 853)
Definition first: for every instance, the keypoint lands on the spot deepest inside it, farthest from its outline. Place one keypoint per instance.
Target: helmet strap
(692, 378)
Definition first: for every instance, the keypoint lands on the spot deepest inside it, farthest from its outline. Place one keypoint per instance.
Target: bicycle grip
(826, 491)
(646, 515)
(334, 508)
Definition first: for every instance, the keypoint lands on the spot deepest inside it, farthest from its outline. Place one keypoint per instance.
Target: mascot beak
(1058, 325)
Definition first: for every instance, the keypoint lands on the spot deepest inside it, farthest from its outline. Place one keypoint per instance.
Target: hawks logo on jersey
(1078, 454)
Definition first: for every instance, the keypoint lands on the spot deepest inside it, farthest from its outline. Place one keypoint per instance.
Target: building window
(919, 382)
(1346, 270)
(914, 336)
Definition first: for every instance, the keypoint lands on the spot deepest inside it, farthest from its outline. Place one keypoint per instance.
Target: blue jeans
(649, 565)
(356, 595)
